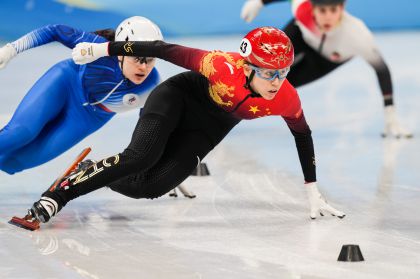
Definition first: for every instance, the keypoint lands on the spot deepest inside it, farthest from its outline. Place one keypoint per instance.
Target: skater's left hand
(319, 204)
(393, 127)
(84, 53)
(7, 52)
(250, 9)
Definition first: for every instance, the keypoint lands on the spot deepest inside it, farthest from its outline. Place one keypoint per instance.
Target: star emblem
(254, 110)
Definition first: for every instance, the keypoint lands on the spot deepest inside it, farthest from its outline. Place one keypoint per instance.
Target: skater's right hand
(250, 9)
(7, 52)
(84, 53)
(318, 203)
(393, 128)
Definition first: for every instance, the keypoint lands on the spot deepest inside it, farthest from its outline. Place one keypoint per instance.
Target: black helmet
(327, 2)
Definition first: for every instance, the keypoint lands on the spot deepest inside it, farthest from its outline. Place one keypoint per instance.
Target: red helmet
(267, 47)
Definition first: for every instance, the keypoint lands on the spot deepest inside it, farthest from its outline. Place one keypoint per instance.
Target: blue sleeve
(64, 34)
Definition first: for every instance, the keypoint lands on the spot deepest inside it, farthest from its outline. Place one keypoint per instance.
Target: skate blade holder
(184, 191)
(27, 222)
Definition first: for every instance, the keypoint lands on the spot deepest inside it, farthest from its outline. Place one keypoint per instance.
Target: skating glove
(84, 53)
(250, 9)
(318, 203)
(393, 126)
(7, 52)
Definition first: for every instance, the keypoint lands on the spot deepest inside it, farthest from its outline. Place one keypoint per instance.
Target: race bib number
(245, 48)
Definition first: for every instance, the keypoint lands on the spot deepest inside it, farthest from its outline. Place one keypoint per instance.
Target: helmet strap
(247, 84)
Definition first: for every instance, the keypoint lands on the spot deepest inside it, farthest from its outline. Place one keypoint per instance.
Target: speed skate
(31, 221)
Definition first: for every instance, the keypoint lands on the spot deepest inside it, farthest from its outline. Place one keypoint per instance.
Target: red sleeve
(293, 113)
(186, 57)
(291, 98)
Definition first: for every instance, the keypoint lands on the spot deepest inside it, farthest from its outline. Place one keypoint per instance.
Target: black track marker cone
(350, 253)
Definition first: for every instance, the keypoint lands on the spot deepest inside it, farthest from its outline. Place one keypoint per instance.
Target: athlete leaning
(70, 102)
(186, 116)
(325, 36)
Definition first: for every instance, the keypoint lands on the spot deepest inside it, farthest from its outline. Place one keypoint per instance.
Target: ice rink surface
(250, 218)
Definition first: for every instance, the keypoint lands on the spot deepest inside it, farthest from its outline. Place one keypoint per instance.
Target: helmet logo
(245, 48)
(269, 48)
(127, 47)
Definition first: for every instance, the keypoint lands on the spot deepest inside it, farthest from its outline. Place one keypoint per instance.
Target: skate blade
(25, 224)
(186, 193)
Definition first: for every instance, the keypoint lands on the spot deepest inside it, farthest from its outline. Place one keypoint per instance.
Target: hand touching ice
(318, 203)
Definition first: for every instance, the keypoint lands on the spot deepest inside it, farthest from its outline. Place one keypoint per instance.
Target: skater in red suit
(325, 37)
(186, 116)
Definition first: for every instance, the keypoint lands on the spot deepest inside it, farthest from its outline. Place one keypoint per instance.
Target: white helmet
(137, 28)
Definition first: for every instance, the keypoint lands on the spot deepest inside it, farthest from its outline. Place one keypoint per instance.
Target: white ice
(250, 218)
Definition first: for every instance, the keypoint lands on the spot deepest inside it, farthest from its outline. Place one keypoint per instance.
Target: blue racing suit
(68, 103)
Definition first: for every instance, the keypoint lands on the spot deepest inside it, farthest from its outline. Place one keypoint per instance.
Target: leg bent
(73, 125)
(41, 104)
(180, 157)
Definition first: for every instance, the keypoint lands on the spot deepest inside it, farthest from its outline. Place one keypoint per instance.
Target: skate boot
(51, 203)
(44, 209)
(53, 199)
(84, 165)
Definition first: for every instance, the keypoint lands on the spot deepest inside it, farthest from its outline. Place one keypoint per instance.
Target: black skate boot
(44, 209)
(51, 201)
(84, 165)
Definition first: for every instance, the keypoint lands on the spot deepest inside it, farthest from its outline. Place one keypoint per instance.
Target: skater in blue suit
(70, 102)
